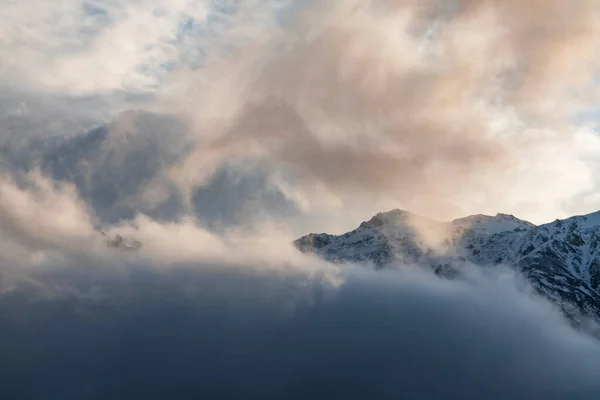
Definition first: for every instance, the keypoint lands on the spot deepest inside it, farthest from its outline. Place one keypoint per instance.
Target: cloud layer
(438, 108)
(193, 312)
(445, 108)
(188, 333)
(90, 47)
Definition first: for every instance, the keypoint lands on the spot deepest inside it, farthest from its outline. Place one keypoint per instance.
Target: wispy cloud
(91, 47)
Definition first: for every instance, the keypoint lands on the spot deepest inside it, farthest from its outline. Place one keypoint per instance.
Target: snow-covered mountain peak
(580, 221)
(487, 224)
(590, 220)
(394, 218)
(561, 259)
(385, 217)
(413, 231)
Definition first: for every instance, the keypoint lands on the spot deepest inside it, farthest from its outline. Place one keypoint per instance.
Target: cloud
(443, 106)
(437, 109)
(91, 47)
(45, 227)
(193, 309)
(41, 214)
(204, 331)
(81, 62)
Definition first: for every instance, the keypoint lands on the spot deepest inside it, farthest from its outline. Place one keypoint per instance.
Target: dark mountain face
(560, 259)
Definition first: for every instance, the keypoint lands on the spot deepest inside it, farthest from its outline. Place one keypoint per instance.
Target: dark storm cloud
(231, 335)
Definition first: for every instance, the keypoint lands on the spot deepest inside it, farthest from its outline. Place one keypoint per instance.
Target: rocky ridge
(561, 259)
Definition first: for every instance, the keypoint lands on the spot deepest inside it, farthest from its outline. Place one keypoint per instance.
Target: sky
(443, 108)
(226, 129)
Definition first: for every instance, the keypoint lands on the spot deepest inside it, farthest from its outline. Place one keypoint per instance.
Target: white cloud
(42, 214)
(77, 47)
(553, 177)
(45, 226)
(85, 47)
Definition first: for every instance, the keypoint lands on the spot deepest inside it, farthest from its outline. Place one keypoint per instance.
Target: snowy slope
(561, 259)
(402, 236)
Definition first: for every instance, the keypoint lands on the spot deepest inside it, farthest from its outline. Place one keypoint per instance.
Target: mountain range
(560, 259)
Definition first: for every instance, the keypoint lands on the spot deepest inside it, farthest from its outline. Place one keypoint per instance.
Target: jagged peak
(592, 219)
(507, 216)
(312, 241)
(385, 218)
(492, 224)
(511, 217)
(489, 223)
(498, 216)
(474, 217)
(582, 221)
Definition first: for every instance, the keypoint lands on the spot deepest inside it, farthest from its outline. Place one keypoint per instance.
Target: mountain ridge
(561, 259)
